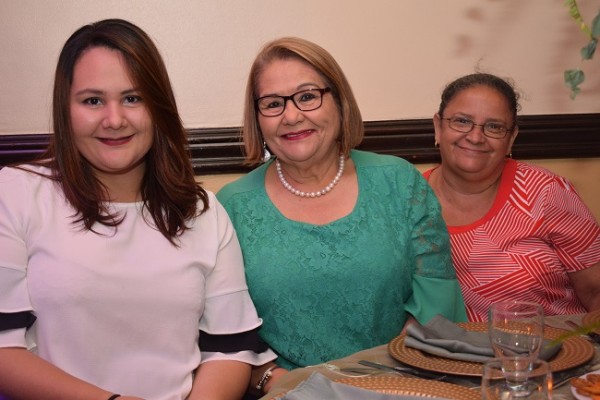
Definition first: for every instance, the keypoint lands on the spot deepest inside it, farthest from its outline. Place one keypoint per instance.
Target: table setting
(529, 358)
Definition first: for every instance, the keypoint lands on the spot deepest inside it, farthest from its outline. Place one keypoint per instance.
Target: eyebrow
(471, 117)
(87, 91)
(299, 88)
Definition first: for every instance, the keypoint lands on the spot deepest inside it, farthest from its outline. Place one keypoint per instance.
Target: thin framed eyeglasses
(494, 130)
(304, 100)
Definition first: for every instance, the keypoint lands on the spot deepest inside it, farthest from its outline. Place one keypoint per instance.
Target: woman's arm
(23, 375)
(587, 286)
(220, 380)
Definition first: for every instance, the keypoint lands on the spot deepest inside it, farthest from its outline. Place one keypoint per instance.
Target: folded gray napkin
(444, 338)
(318, 386)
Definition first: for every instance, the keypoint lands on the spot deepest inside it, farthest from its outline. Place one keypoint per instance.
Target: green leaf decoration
(574, 12)
(596, 26)
(587, 52)
(573, 78)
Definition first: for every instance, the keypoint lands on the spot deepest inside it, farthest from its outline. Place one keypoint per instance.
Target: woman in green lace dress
(341, 246)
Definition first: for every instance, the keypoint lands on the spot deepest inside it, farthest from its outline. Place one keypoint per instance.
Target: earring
(509, 155)
(436, 144)
(266, 153)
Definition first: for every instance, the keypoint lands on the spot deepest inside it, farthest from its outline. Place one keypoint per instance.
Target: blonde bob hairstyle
(351, 127)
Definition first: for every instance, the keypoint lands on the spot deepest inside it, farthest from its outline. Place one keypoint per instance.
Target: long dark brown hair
(169, 191)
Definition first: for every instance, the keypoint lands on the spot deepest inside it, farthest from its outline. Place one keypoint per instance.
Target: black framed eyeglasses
(304, 100)
(494, 130)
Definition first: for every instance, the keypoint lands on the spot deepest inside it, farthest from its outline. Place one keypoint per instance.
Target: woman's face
(298, 136)
(474, 155)
(111, 126)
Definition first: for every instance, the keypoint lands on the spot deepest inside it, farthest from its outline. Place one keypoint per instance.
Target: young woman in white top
(120, 276)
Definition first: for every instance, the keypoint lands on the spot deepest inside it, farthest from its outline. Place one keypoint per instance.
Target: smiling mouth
(297, 135)
(115, 141)
(470, 150)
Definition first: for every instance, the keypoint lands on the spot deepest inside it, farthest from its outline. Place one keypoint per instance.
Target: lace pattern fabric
(325, 291)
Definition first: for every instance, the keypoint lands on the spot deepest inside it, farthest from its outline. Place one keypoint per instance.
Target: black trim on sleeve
(23, 319)
(243, 341)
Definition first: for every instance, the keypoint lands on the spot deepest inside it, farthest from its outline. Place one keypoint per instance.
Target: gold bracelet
(265, 378)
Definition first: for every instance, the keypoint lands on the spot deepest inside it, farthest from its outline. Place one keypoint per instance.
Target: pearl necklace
(318, 193)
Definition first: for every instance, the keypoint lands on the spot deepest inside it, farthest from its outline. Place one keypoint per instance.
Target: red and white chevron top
(537, 231)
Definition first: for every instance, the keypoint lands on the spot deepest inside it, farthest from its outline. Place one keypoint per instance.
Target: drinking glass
(504, 379)
(516, 328)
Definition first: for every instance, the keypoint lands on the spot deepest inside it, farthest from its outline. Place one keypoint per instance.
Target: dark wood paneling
(219, 150)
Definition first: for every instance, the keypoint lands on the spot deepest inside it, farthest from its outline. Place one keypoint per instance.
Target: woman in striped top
(517, 231)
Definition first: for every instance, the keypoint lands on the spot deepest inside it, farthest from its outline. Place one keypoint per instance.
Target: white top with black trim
(121, 309)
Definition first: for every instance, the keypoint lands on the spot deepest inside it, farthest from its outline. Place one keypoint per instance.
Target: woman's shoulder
(532, 168)
(530, 174)
(538, 184)
(24, 172)
(386, 168)
(26, 186)
(363, 158)
(251, 181)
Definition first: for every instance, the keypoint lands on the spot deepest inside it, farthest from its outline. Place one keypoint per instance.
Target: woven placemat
(574, 351)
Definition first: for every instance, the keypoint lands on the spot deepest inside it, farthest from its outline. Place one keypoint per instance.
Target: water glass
(505, 379)
(516, 328)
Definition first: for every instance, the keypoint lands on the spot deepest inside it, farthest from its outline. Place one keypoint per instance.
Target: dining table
(349, 367)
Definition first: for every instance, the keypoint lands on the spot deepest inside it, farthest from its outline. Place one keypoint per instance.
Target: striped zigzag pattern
(526, 250)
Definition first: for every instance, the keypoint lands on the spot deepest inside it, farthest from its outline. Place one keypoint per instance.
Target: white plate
(580, 396)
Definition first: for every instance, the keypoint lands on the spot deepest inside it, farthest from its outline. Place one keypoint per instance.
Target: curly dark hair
(503, 86)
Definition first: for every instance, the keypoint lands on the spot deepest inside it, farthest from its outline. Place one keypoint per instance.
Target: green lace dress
(326, 291)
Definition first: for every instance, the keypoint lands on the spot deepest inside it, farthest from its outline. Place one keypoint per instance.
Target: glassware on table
(504, 379)
(516, 328)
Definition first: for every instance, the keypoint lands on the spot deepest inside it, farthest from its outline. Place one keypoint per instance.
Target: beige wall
(397, 53)
(583, 173)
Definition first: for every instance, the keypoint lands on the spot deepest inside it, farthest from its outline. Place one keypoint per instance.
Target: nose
(476, 134)
(114, 117)
(291, 113)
